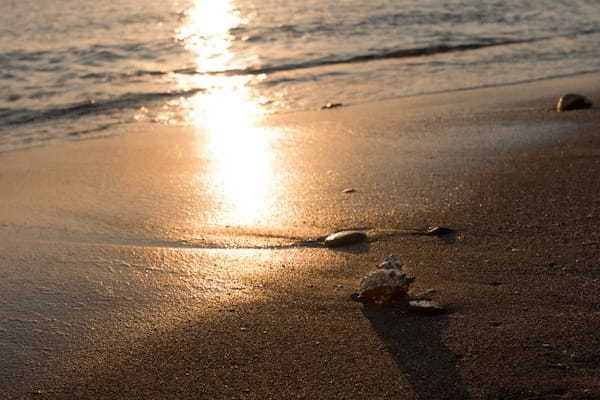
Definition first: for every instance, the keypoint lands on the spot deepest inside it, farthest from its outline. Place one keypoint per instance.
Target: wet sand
(165, 264)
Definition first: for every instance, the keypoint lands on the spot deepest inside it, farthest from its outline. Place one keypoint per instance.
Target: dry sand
(163, 264)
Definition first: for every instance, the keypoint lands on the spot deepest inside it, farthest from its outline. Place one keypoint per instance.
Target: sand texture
(184, 263)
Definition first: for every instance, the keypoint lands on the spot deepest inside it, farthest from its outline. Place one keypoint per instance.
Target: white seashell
(386, 285)
(390, 263)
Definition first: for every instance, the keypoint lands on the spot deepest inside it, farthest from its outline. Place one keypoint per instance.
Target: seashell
(426, 307)
(390, 262)
(386, 285)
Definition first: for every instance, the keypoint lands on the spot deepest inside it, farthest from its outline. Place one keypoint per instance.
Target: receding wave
(324, 61)
(12, 117)
(383, 55)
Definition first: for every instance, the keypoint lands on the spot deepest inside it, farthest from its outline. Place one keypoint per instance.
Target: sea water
(76, 68)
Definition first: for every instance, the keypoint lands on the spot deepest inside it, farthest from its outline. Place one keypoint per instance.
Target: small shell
(426, 307)
(390, 263)
(386, 285)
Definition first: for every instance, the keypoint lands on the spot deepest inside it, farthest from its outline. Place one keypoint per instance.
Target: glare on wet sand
(239, 151)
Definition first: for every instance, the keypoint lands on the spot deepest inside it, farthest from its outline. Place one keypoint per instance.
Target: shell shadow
(450, 238)
(357, 248)
(416, 344)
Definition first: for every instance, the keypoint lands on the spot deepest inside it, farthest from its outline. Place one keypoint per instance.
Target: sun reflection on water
(207, 33)
(241, 178)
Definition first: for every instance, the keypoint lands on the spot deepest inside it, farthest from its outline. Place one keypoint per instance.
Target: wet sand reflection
(241, 177)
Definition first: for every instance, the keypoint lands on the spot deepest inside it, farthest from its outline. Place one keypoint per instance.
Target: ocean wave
(108, 76)
(314, 63)
(371, 56)
(20, 116)
(92, 55)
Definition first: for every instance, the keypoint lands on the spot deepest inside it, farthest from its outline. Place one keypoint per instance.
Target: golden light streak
(240, 153)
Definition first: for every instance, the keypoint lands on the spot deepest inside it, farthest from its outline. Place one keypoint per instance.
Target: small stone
(329, 106)
(390, 262)
(426, 307)
(573, 101)
(345, 238)
(349, 190)
(439, 231)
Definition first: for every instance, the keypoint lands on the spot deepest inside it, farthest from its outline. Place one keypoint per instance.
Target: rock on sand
(573, 102)
(345, 238)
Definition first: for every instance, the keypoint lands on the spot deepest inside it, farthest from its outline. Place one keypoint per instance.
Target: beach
(162, 263)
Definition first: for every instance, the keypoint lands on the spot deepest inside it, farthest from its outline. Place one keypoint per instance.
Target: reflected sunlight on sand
(240, 152)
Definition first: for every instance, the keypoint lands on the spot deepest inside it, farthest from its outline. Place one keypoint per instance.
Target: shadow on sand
(416, 344)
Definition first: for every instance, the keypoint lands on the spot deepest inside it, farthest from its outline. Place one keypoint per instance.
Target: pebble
(345, 238)
(329, 106)
(573, 101)
(349, 190)
(426, 307)
(439, 231)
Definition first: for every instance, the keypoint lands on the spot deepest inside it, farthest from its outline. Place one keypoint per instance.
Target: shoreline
(582, 81)
(171, 322)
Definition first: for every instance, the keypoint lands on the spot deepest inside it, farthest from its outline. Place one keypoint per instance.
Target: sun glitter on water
(226, 115)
